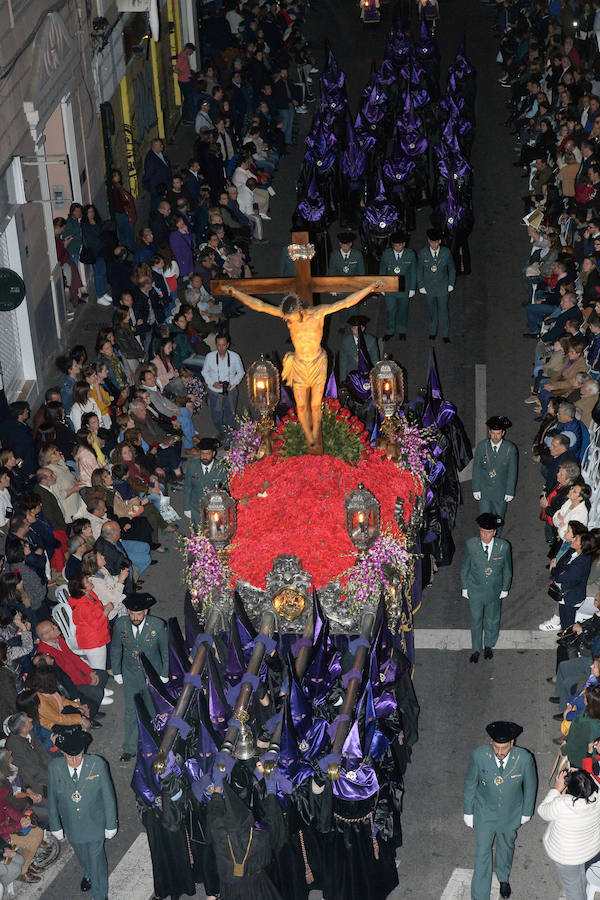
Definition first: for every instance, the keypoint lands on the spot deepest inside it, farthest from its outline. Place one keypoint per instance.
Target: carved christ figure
(306, 368)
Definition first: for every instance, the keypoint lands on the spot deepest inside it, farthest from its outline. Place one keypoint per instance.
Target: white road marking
(459, 886)
(480, 415)
(460, 639)
(132, 878)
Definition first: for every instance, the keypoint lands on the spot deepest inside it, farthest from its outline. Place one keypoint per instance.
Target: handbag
(555, 592)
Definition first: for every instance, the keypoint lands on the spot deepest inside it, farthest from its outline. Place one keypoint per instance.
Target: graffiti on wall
(143, 98)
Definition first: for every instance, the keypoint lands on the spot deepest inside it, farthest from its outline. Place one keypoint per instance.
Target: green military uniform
(434, 277)
(287, 268)
(84, 808)
(200, 478)
(152, 641)
(339, 265)
(495, 475)
(485, 578)
(403, 264)
(497, 798)
(349, 353)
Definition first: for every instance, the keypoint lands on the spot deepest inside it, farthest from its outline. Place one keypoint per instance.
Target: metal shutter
(10, 346)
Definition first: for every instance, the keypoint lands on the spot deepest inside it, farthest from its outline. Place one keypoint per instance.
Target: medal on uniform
(434, 268)
(498, 779)
(492, 473)
(397, 270)
(75, 796)
(488, 571)
(135, 654)
(346, 269)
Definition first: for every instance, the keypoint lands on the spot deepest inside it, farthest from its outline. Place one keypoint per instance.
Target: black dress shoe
(432, 337)
(94, 724)
(474, 657)
(86, 884)
(388, 337)
(401, 337)
(125, 757)
(558, 717)
(488, 653)
(99, 715)
(505, 890)
(446, 340)
(553, 699)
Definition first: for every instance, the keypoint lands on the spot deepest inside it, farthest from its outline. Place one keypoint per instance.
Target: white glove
(508, 497)
(411, 294)
(164, 678)
(187, 513)
(118, 679)
(477, 495)
(422, 291)
(59, 835)
(465, 593)
(503, 594)
(109, 833)
(468, 820)
(525, 819)
(450, 288)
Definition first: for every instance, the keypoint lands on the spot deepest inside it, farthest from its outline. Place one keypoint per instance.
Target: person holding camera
(222, 371)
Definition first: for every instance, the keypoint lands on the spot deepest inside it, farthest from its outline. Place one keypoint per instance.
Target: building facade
(83, 88)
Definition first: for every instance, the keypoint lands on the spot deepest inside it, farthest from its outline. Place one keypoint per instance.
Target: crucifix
(306, 368)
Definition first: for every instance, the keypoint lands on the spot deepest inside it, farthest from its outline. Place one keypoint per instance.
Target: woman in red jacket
(11, 823)
(90, 617)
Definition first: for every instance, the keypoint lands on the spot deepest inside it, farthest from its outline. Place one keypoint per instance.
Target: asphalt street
(457, 699)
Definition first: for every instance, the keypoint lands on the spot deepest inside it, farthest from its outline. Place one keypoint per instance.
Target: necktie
(75, 778)
(495, 449)
(397, 255)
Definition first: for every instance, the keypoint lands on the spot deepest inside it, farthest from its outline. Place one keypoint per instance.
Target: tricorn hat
(346, 237)
(503, 732)
(71, 739)
(358, 320)
(208, 443)
(138, 602)
(398, 237)
(498, 423)
(489, 521)
(434, 234)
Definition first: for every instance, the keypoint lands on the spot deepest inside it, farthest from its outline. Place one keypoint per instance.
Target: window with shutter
(11, 357)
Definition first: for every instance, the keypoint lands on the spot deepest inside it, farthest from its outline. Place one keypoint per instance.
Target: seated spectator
(70, 368)
(76, 548)
(108, 588)
(90, 618)
(15, 633)
(117, 552)
(86, 459)
(16, 434)
(29, 755)
(588, 400)
(144, 246)
(82, 403)
(75, 676)
(65, 488)
(129, 343)
(18, 833)
(52, 708)
(10, 680)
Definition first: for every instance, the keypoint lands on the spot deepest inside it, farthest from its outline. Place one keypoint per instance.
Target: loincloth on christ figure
(304, 373)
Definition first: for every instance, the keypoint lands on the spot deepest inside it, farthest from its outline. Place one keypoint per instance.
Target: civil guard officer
(499, 797)
(495, 468)
(486, 574)
(398, 260)
(203, 473)
(82, 805)
(436, 274)
(346, 262)
(134, 634)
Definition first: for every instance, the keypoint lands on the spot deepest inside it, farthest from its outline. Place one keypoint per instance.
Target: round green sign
(12, 290)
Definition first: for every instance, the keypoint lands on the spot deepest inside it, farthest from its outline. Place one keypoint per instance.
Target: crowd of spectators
(550, 63)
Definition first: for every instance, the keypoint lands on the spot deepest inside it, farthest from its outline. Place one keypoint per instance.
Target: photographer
(222, 371)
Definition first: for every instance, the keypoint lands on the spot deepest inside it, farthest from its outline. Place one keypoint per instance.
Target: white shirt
(497, 446)
(487, 548)
(78, 770)
(137, 629)
(245, 200)
(207, 468)
(227, 368)
(5, 503)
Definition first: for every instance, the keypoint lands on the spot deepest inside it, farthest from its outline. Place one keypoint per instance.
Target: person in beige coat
(66, 487)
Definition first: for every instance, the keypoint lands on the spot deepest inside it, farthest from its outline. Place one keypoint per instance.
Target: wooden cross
(303, 283)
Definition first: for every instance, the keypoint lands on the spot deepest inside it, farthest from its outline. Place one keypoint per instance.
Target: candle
(387, 390)
(217, 524)
(362, 523)
(260, 389)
